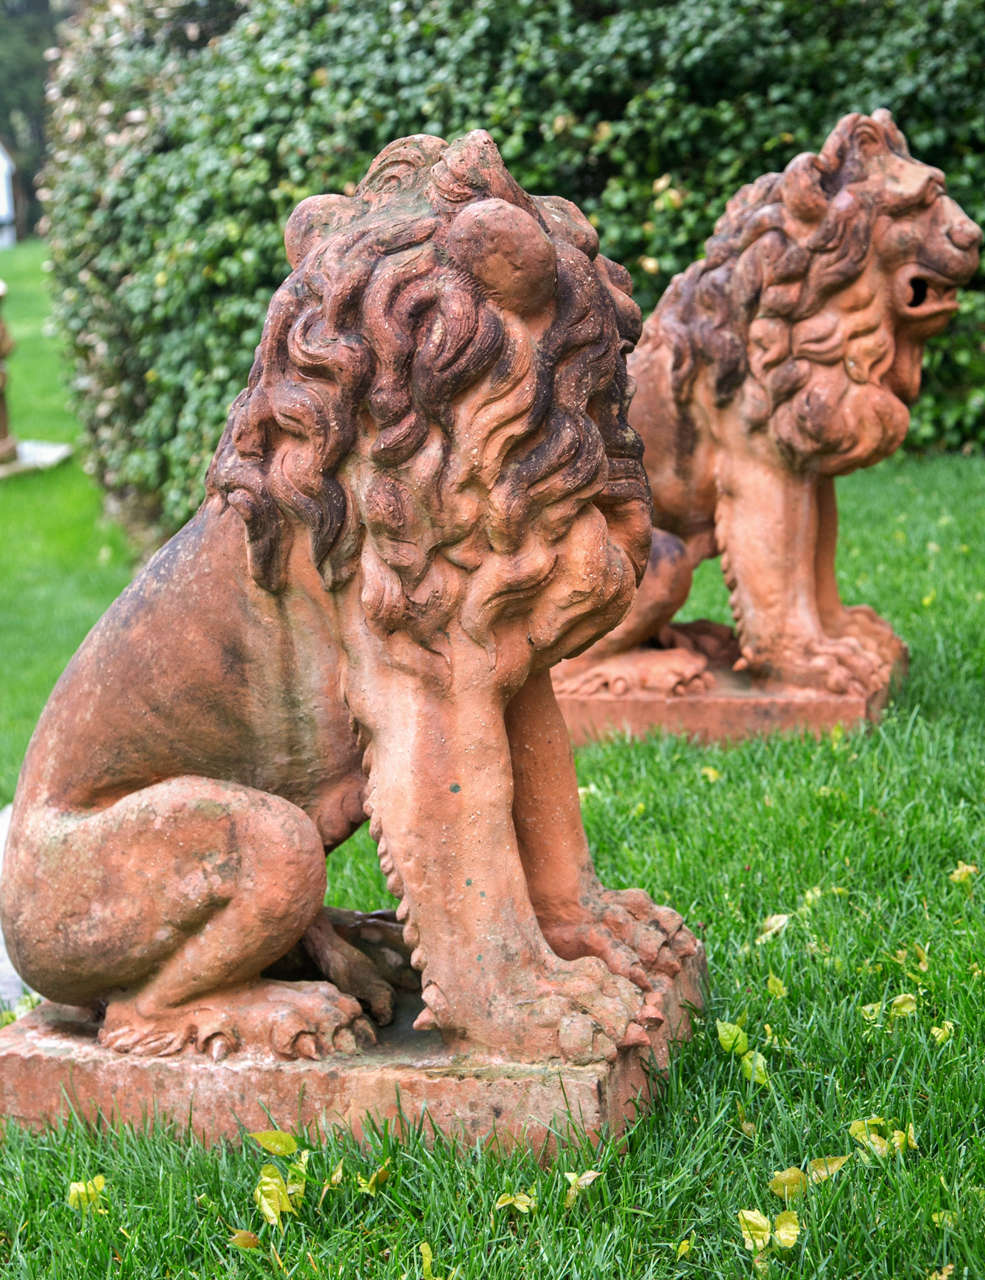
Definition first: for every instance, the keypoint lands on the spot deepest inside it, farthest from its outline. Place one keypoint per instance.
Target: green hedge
(183, 134)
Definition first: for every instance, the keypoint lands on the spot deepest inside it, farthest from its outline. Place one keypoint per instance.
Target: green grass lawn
(853, 839)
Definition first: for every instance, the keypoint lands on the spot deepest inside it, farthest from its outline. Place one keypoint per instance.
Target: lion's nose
(964, 234)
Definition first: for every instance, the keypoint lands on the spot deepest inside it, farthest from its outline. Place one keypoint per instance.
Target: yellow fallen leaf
(962, 872)
(731, 1037)
(754, 1067)
(871, 1011)
(577, 1182)
(271, 1195)
(755, 1227)
(522, 1201)
(788, 1183)
(943, 1032)
(369, 1186)
(772, 927)
(923, 963)
(903, 1005)
(864, 1133)
(709, 774)
(684, 1248)
(825, 1167)
(245, 1240)
(276, 1142)
(86, 1196)
(776, 987)
(903, 1139)
(945, 1219)
(945, 1272)
(786, 1229)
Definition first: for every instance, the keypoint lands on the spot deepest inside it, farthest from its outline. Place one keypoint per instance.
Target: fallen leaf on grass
(788, 1183)
(775, 987)
(755, 1228)
(754, 1067)
(903, 1005)
(732, 1038)
(87, 1196)
(577, 1182)
(772, 927)
(276, 1142)
(244, 1240)
(369, 1186)
(946, 1219)
(963, 872)
(685, 1246)
(521, 1201)
(943, 1032)
(271, 1196)
(825, 1167)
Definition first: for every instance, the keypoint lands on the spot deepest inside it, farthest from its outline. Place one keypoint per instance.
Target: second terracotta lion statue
(787, 356)
(427, 494)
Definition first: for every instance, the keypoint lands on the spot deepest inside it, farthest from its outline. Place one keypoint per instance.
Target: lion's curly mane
(375, 343)
(784, 247)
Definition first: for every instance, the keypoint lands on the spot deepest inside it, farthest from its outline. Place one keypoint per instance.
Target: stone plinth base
(50, 1064)
(735, 707)
(34, 455)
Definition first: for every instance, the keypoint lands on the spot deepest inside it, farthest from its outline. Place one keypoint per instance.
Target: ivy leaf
(271, 1195)
(732, 1038)
(276, 1142)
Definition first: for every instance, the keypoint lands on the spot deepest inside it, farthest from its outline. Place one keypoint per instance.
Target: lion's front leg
(767, 526)
(578, 916)
(860, 622)
(440, 796)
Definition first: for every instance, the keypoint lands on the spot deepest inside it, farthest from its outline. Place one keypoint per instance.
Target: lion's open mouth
(923, 295)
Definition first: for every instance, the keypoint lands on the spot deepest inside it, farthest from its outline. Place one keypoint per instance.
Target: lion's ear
(803, 193)
(312, 221)
(507, 251)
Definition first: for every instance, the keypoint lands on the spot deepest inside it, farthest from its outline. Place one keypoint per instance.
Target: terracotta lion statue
(788, 355)
(427, 494)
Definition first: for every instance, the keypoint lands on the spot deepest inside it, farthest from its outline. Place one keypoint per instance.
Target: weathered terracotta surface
(8, 445)
(427, 495)
(51, 1063)
(789, 355)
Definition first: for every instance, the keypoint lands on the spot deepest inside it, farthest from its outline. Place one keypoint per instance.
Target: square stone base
(50, 1063)
(735, 707)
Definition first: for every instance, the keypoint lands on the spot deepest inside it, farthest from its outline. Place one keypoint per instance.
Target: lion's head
(439, 398)
(820, 287)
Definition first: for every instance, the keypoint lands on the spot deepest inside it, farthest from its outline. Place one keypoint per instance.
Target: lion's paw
(631, 934)
(289, 1019)
(873, 633)
(578, 1011)
(666, 672)
(829, 664)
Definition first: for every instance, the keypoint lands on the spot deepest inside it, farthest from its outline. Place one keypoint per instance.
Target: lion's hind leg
(168, 904)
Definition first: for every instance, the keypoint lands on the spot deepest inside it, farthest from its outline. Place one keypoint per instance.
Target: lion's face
(925, 247)
(440, 397)
(834, 275)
